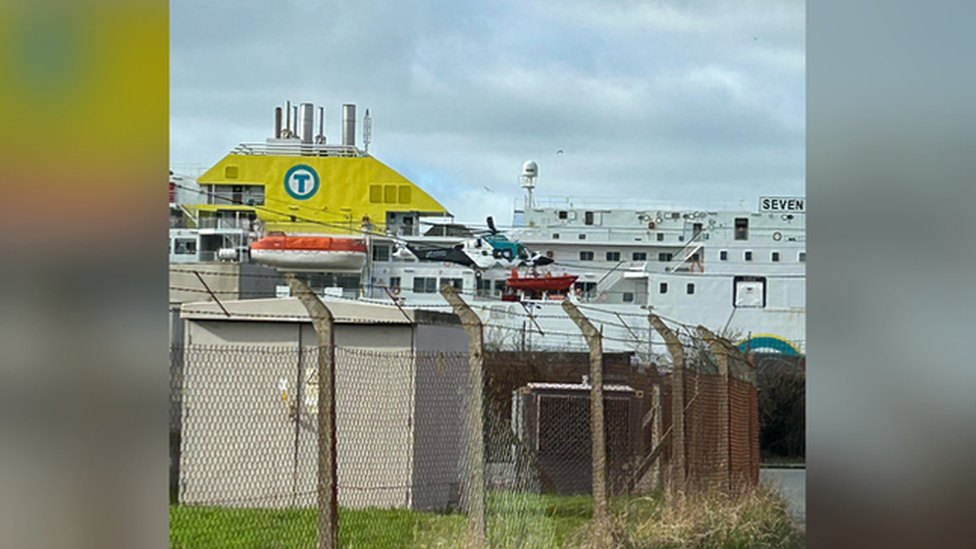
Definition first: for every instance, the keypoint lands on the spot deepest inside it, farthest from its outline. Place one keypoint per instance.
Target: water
(792, 485)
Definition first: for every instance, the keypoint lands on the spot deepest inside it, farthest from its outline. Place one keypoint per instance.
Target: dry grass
(753, 520)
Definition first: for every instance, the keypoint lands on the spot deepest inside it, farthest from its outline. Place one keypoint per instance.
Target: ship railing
(298, 149)
(581, 202)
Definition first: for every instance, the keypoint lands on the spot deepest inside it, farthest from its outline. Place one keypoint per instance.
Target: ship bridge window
(395, 283)
(723, 255)
(802, 258)
(628, 297)
(691, 289)
(586, 256)
(588, 218)
(563, 214)
(662, 288)
(381, 252)
(660, 237)
(665, 256)
(748, 255)
(774, 257)
(741, 228)
(613, 256)
(555, 236)
(424, 285)
(582, 237)
(640, 256)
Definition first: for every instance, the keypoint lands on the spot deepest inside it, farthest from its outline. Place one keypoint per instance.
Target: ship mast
(530, 170)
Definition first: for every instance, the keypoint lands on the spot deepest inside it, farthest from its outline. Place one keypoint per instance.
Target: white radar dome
(530, 169)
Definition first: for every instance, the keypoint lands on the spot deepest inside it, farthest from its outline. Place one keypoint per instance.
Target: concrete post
(721, 354)
(678, 451)
(475, 489)
(594, 339)
(322, 321)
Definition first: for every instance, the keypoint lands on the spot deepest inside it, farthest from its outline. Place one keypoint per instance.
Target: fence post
(657, 435)
(322, 321)
(594, 339)
(475, 423)
(678, 451)
(721, 354)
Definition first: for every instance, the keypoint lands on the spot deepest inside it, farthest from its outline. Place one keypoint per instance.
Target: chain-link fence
(245, 437)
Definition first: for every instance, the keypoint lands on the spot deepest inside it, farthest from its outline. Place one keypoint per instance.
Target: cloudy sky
(691, 102)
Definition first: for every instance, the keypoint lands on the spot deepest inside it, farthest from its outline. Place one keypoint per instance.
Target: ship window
(185, 246)
(802, 257)
(588, 218)
(664, 256)
(555, 236)
(500, 287)
(628, 297)
(457, 283)
(404, 194)
(613, 256)
(723, 255)
(231, 172)
(381, 252)
(582, 237)
(748, 256)
(390, 194)
(376, 194)
(660, 237)
(585, 289)
(253, 194)
(741, 228)
(563, 214)
(640, 256)
(663, 288)
(586, 256)
(691, 289)
(394, 283)
(774, 257)
(422, 285)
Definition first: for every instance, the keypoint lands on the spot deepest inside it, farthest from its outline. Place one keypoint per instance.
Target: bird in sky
(487, 188)
(560, 151)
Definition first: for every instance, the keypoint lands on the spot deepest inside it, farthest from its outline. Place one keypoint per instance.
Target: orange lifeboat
(319, 253)
(540, 283)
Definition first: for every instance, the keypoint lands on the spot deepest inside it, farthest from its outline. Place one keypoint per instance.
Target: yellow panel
(348, 189)
(232, 172)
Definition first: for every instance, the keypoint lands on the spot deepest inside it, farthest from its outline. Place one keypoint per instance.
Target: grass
(515, 520)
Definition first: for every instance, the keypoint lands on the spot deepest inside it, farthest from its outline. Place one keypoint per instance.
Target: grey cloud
(640, 95)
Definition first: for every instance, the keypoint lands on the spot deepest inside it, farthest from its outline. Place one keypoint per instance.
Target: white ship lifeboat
(319, 253)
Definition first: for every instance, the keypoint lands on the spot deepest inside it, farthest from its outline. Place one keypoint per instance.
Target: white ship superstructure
(738, 271)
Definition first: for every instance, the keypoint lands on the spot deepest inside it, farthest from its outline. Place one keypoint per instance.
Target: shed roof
(290, 309)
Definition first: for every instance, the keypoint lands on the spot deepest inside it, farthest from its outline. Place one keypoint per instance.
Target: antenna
(367, 131)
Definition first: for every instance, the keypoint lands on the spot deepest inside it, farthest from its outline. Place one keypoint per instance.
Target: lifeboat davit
(541, 283)
(319, 253)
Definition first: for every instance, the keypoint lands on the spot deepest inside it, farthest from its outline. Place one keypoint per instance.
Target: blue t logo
(301, 181)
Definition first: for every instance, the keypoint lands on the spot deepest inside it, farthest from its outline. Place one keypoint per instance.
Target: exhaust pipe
(277, 132)
(349, 125)
(288, 114)
(308, 123)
